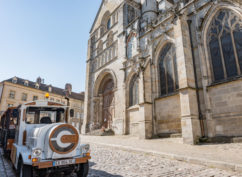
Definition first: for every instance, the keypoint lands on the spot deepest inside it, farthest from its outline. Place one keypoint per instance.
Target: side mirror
(15, 113)
(72, 113)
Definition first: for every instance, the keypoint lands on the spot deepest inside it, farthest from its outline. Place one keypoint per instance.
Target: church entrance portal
(108, 104)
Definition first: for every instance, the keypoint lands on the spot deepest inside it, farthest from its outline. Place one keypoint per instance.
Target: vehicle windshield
(44, 115)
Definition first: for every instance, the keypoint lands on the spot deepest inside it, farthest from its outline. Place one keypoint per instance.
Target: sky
(46, 38)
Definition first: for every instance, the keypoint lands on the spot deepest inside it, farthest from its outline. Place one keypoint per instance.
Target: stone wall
(168, 114)
(133, 121)
(226, 109)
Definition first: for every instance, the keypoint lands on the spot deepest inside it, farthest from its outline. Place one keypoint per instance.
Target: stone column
(145, 107)
(189, 107)
(87, 101)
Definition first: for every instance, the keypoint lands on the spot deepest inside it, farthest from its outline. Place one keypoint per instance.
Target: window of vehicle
(44, 115)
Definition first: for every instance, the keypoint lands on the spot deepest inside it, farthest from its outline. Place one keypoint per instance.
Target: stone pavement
(6, 169)
(108, 161)
(224, 156)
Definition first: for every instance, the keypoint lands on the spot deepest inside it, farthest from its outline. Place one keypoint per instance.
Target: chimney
(68, 88)
(39, 80)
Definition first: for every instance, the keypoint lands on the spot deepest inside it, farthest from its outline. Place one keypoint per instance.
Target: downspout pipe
(196, 81)
(67, 109)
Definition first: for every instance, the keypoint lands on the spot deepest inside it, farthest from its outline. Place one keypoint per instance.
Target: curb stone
(197, 161)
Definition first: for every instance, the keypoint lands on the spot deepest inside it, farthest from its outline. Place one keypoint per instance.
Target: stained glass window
(225, 45)
(131, 14)
(109, 24)
(168, 70)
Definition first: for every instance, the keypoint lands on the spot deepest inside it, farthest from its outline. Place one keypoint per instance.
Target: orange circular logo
(64, 139)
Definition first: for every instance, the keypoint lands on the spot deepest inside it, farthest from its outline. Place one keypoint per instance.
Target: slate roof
(45, 88)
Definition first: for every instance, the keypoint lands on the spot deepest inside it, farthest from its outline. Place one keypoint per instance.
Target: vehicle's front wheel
(83, 170)
(25, 170)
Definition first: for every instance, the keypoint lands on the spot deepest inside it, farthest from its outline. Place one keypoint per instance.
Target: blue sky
(46, 38)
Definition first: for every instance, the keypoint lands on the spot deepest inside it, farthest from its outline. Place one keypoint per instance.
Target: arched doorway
(108, 104)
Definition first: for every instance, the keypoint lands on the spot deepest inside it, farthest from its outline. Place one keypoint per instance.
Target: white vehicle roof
(41, 103)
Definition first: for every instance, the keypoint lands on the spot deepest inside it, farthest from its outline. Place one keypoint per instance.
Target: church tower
(149, 10)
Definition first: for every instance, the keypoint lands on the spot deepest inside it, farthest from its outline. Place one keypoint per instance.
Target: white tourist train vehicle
(45, 143)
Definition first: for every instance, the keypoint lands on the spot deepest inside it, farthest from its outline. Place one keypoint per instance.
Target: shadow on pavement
(99, 173)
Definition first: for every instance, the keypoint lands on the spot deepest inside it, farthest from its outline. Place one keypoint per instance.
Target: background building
(161, 67)
(15, 91)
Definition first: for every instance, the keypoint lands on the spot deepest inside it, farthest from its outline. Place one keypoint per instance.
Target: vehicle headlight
(37, 152)
(85, 148)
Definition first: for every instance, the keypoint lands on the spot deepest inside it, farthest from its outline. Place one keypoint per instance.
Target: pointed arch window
(131, 45)
(168, 70)
(131, 15)
(134, 91)
(105, 23)
(109, 24)
(225, 45)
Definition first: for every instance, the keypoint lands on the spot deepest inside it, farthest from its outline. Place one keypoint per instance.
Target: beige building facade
(16, 91)
(163, 67)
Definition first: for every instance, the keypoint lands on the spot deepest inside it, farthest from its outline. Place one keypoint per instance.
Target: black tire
(4, 143)
(25, 170)
(83, 170)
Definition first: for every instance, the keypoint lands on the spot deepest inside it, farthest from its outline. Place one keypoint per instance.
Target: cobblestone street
(112, 162)
(108, 162)
(6, 169)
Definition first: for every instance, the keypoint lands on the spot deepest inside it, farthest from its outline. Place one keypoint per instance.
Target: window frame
(108, 25)
(12, 96)
(231, 30)
(35, 96)
(22, 98)
(166, 54)
(130, 45)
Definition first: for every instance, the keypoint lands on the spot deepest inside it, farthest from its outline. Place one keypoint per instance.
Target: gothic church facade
(161, 67)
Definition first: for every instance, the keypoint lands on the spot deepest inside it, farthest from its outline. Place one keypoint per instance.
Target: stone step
(101, 132)
(237, 140)
(170, 135)
(176, 135)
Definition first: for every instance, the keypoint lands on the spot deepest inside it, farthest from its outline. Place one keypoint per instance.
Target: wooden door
(108, 104)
